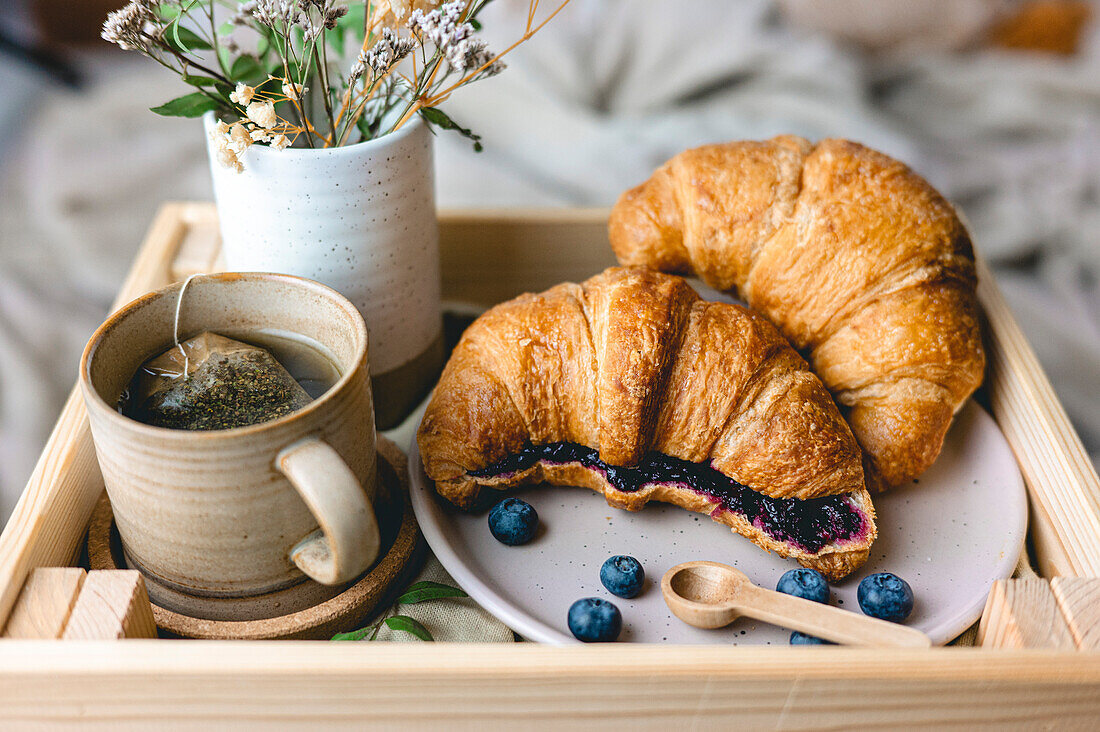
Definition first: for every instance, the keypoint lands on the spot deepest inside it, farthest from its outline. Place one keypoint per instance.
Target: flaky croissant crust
(631, 361)
(860, 262)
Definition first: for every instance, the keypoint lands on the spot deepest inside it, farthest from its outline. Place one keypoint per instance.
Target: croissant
(858, 261)
(631, 385)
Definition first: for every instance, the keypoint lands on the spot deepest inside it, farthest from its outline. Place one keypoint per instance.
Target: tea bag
(211, 382)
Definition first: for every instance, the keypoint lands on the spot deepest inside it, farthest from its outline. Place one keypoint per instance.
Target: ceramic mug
(245, 511)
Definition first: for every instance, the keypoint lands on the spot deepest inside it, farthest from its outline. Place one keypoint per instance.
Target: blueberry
(808, 584)
(595, 620)
(886, 596)
(513, 521)
(801, 639)
(622, 576)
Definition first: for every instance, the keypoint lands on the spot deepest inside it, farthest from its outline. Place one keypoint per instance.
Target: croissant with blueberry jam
(630, 384)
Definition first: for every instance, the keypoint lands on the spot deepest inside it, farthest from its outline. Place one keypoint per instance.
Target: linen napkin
(450, 619)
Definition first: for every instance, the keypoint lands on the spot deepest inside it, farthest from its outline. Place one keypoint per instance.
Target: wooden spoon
(713, 595)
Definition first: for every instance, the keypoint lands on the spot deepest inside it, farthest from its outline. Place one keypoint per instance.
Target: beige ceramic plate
(950, 537)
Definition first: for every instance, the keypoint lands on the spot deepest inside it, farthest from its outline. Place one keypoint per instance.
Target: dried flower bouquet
(288, 89)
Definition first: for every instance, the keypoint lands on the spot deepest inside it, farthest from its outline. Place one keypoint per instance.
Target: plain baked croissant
(633, 386)
(858, 260)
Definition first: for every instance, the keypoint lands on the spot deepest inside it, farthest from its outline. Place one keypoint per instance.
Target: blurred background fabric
(995, 102)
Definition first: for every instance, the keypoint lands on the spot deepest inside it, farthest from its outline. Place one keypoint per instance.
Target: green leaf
(185, 40)
(354, 635)
(168, 12)
(199, 80)
(422, 591)
(226, 29)
(475, 23)
(407, 624)
(437, 117)
(363, 125)
(190, 105)
(247, 69)
(223, 57)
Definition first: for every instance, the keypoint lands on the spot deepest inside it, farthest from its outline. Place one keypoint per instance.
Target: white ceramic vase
(360, 219)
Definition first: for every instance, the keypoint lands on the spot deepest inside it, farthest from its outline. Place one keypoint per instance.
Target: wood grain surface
(71, 604)
(46, 602)
(1063, 488)
(1022, 613)
(112, 605)
(528, 686)
(1079, 600)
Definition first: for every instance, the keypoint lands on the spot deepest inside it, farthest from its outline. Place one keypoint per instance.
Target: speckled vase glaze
(360, 219)
(251, 510)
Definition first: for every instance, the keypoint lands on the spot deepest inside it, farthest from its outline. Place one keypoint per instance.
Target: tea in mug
(211, 382)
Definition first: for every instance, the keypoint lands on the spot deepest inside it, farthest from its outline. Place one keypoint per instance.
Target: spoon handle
(823, 621)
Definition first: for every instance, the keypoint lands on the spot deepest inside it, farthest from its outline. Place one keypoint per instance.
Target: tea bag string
(176, 323)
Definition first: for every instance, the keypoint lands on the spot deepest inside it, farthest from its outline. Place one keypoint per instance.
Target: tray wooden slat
(528, 686)
(112, 605)
(1063, 489)
(46, 602)
(1022, 613)
(1079, 600)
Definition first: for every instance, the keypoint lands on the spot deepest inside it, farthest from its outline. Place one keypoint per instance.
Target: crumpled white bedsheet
(608, 91)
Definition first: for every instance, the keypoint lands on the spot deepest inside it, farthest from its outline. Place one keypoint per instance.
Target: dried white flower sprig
(413, 54)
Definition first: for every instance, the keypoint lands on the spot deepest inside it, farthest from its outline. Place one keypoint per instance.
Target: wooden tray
(487, 257)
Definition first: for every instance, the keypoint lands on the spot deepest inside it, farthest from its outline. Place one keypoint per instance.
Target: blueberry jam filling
(809, 525)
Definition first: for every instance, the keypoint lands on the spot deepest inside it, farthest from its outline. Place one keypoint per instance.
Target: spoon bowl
(712, 595)
(707, 593)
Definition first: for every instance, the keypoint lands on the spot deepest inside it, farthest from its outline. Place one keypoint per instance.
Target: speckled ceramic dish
(950, 537)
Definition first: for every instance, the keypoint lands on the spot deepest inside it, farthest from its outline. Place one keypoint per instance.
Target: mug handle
(348, 540)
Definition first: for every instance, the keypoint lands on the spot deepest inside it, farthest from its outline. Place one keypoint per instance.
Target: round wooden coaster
(344, 611)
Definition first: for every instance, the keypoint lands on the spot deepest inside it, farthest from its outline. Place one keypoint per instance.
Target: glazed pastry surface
(635, 367)
(857, 260)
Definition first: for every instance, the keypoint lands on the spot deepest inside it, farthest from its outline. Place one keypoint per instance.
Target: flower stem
(322, 74)
(214, 38)
(190, 62)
